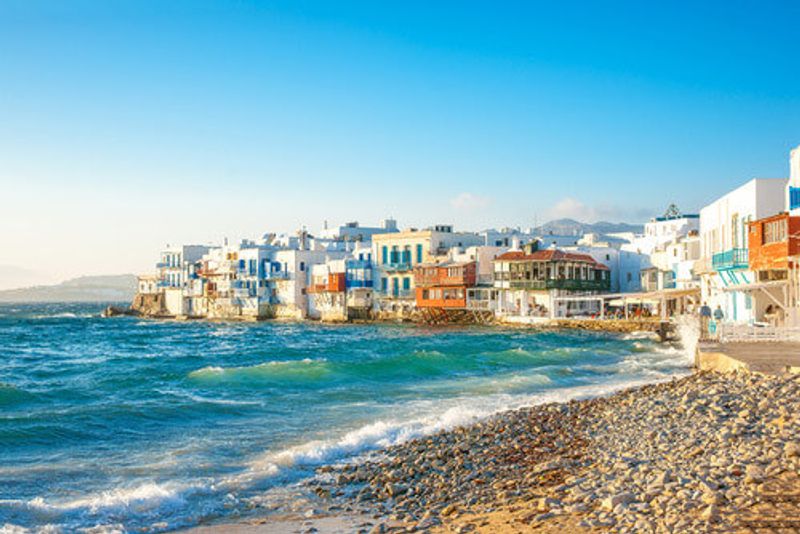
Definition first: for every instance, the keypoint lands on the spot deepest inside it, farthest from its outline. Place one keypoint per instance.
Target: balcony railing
(735, 258)
(358, 264)
(574, 285)
(397, 294)
(397, 266)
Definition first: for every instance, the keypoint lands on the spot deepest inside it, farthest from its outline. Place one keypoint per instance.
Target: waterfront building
(396, 254)
(624, 266)
(360, 283)
(723, 267)
(444, 285)
(232, 283)
(774, 257)
(178, 264)
(327, 291)
(292, 277)
(672, 265)
(529, 280)
(147, 284)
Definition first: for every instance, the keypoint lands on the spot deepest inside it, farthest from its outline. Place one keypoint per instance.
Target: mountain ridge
(102, 288)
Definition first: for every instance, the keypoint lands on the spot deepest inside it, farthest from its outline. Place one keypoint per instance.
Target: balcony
(358, 265)
(397, 266)
(571, 285)
(397, 294)
(735, 258)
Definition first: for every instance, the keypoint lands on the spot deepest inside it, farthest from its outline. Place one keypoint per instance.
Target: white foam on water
(172, 505)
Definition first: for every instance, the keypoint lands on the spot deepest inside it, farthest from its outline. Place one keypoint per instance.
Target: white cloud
(469, 202)
(571, 208)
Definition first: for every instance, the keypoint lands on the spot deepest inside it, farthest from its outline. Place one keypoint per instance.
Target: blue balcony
(358, 264)
(358, 283)
(735, 258)
(397, 266)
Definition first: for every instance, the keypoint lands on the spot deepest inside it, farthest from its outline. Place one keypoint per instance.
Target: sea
(124, 424)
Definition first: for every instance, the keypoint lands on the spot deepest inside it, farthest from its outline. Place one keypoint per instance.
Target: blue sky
(126, 125)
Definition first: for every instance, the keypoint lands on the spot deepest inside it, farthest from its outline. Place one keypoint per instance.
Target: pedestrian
(705, 319)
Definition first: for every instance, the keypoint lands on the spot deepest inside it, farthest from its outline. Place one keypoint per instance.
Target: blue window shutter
(794, 197)
(406, 283)
(384, 254)
(419, 253)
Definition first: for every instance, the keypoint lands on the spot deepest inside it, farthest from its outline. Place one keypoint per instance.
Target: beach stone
(791, 450)
(753, 474)
(610, 503)
(546, 503)
(711, 513)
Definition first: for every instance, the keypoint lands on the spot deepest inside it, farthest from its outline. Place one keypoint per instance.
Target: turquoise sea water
(130, 424)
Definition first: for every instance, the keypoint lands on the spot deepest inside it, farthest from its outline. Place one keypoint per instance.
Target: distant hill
(111, 288)
(573, 227)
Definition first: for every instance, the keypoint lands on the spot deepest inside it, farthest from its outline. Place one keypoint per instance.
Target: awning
(756, 286)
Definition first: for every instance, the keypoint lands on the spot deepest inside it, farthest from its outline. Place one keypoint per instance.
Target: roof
(550, 255)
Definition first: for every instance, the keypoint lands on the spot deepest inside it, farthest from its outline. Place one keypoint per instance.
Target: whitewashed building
(723, 265)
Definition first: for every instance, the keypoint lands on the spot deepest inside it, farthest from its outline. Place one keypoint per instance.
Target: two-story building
(724, 268)
(529, 280)
(444, 285)
(396, 254)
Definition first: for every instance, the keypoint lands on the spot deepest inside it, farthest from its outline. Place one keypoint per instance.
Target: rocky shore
(705, 453)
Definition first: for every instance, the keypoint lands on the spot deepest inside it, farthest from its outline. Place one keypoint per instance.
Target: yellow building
(396, 254)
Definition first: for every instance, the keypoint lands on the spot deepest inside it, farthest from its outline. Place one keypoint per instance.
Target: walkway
(763, 357)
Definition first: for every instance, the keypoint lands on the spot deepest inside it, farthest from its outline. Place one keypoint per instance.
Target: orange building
(332, 283)
(773, 242)
(774, 248)
(444, 285)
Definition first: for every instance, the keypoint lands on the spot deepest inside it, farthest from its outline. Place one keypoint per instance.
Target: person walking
(705, 319)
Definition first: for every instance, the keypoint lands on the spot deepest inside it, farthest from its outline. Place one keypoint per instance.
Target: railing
(576, 285)
(443, 280)
(397, 294)
(358, 264)
(735, 258)
(359, 283)
(480, 304)
(397, 266)
(741, 333)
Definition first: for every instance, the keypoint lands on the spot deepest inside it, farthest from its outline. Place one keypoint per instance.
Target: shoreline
(690, 454)
(620, 326)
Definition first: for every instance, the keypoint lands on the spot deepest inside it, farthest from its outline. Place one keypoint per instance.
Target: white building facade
(724, 245)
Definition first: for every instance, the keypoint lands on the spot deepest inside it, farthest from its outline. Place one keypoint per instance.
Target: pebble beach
(709, 452)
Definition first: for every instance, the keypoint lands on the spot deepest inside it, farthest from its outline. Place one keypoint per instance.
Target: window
(406, 283)
(384, 283)
(794, 198)
(302, 266)
(419, 253)
(774, 232)
(384, 254)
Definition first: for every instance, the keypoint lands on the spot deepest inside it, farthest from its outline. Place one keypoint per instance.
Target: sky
(129, 125)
